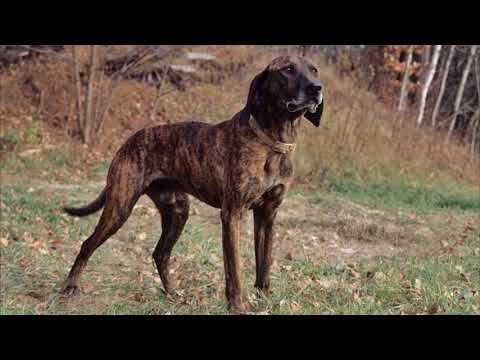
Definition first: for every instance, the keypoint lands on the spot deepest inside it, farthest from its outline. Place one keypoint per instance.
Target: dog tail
(94, 206)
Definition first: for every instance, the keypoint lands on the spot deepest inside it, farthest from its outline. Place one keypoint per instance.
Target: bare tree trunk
(476, 119)
(158, 93)
(304, 49)
(442, 86)
(100, 91)
(428, 80)
(1, 92)
(116, 80)
(423, 71)
(477, 78)
(406, 75)
(78, 88)
(461, 88)
(476, 115)
(88, 101)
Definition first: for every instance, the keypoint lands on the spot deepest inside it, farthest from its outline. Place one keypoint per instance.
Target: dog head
(289, 85)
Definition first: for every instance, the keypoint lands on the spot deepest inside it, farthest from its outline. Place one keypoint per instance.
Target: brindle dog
(240, 164)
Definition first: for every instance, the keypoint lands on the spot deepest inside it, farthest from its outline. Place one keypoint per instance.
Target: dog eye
(290, 69)
(314, 70)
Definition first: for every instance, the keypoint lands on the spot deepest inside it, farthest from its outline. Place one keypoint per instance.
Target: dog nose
(314, 89)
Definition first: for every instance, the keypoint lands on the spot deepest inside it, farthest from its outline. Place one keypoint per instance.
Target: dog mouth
(310, 105)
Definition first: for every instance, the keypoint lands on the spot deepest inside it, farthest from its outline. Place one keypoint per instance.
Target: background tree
(406, 75)
(461, 89)
(442, 85)
(428, 80)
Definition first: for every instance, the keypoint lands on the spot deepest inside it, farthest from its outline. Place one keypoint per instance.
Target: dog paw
(241, 308)
(171, 293)
(70, 290)
(263, 290)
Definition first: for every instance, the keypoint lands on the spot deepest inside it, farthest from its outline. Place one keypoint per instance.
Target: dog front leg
(231, 258)
(263, 229)
(263, 220)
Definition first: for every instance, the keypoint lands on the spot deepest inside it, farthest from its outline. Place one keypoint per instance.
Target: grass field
(335, 254)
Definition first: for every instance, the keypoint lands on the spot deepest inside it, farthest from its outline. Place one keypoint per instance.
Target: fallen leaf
(355, 274)
(418, 284)
(3, 241)
(380, 276)
(147, 273)
(27, 237)
(433, 309)
(139, 297)
(36, 295)
(88, 288)
(55, 243)
(29, 152)
(295, 306)
(348, 251)
(326, 283)
(304, 285)
(266, 312)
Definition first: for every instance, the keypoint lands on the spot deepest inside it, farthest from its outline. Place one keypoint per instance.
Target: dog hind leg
(116, 211)
(174, 210)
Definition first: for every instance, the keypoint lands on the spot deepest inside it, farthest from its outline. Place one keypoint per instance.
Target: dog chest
(277, 167)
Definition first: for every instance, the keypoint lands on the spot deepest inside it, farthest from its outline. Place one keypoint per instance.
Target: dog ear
(315, 117)
(255, 96)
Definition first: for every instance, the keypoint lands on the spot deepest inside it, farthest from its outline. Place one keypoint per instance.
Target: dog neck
(280, 126)
(276, 146)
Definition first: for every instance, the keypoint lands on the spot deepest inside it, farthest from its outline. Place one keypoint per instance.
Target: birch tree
(442, 85)
(476, 115)
(428, 80)
(476, 120)
(461, 88)
(424, 70)
(406, 75)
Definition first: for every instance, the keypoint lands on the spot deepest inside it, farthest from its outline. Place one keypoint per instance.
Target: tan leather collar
(277, 146)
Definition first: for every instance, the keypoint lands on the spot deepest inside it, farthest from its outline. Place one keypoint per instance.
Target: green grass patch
(421, 196)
